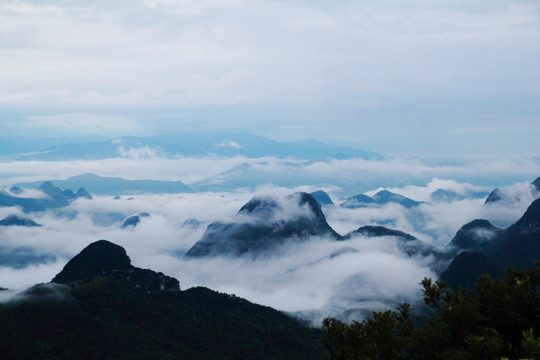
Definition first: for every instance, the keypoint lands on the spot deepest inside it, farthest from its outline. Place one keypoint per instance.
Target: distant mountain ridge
(382, 197)
(100, 185)
(196, 145)
(54, 198)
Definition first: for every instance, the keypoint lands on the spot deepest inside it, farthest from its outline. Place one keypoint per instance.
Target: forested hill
(109, 318)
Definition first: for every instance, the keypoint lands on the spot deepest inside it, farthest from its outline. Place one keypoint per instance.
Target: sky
(411, 77)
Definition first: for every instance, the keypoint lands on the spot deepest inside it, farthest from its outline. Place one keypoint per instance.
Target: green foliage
(496, 321)
(530, 344)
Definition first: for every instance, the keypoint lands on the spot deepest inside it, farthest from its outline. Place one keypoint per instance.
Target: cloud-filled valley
(314, 278)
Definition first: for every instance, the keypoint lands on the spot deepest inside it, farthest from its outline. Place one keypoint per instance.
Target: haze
(397, 77)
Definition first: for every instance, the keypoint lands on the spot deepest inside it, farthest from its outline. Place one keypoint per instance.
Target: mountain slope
(466, 267)
(519, 245)
(536, 183)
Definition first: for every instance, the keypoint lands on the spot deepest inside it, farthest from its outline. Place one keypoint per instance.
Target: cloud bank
(312, 279)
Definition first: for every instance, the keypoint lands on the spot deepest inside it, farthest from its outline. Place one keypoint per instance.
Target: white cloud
(363, 274)
(138, 153)
(229, 144)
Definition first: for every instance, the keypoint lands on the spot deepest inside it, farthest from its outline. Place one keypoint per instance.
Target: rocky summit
(105, 259)
(264, 223)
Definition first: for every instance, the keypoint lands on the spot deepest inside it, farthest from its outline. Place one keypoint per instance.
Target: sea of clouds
(313, 279)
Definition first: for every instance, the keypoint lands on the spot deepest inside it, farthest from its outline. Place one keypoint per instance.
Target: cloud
(141, 152)
(316, 278)
(308, 276)
(229, 144)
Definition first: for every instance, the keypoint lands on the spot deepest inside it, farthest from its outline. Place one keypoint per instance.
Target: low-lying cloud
(315, 278)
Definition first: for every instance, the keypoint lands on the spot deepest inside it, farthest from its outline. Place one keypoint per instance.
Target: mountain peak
(15, 190)
(379, 231)
(82, 193)
(14, 220)
(264, 223)
(97, 258)
(47, 185)
(266, 207)
(494, 196)
(356, 201)
(103, 258)
(475, 235)
(322, 198)
(385, 196)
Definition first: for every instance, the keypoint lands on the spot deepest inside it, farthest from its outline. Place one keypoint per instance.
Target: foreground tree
(499, 320)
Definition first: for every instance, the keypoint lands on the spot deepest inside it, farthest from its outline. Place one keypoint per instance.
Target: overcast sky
(398, 77)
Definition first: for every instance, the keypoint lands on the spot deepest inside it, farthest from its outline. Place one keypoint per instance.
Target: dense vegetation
(106, 319)
(499, 319)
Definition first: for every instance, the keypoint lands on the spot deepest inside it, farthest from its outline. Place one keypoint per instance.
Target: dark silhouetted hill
(103, 258)
(105, 317)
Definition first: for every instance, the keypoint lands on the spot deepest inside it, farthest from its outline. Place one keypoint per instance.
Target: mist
(312, 279)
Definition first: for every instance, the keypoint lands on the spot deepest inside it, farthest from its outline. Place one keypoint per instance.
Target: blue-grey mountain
(263, 224)
(383, 197)
(14, 220)
(115, 185)
(196, 145)
(54, 198)
(133, 220)
(322, 198)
